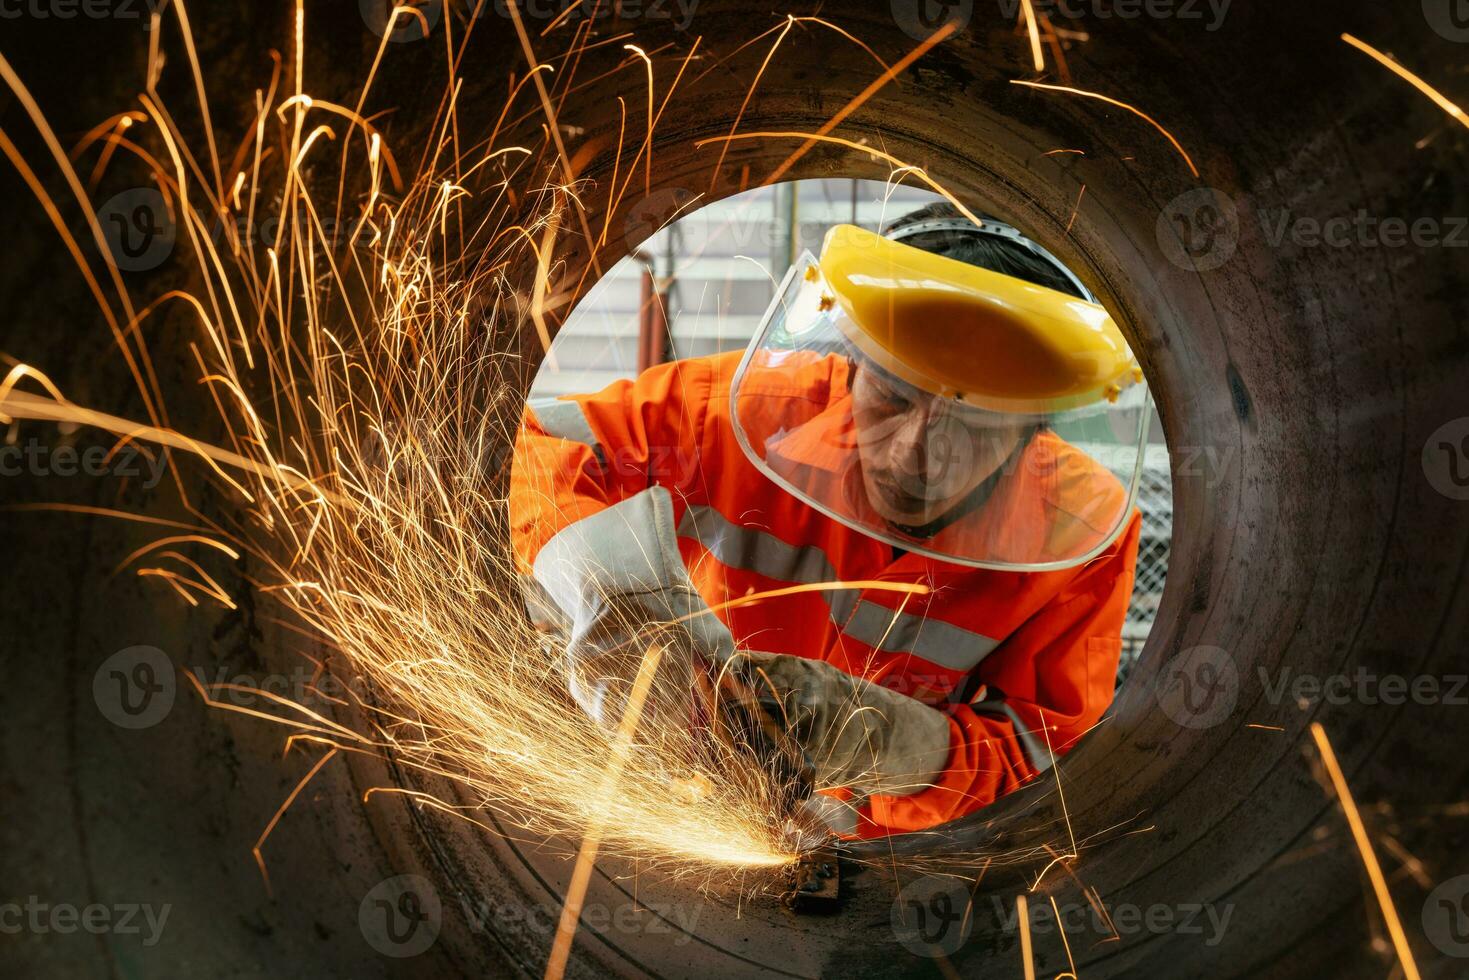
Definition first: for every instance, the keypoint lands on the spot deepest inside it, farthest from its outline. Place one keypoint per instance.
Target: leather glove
(621, 586)
(855, 733)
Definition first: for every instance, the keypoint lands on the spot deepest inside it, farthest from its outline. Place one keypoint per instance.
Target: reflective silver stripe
(1035, 748)
(753, 550)
(934, 640)
(565, 420)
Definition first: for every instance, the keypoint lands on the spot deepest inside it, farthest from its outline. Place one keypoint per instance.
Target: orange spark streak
(1022, 915)
(1035, 35)
(259, 858)
(1061, 793)
(863, 96)
(860, 148)
(1095, 900)
(648, 142)
(183, 16)
(1121, 105)
(749, 94)
(1410, 861)
(869, 584)
(616, 200)
(49, 205)
(21, 405)
(1053, 37)
(580, 876)
(1075, 208)
(1369, 856)
(554, 127)
(211, 701)
(101, 512)
(1439, 99)
(1061, 928)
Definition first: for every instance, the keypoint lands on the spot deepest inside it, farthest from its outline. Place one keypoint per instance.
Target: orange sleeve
(608, 446)
(1050, 680)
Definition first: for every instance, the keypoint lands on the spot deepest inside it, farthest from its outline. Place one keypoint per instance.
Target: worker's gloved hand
(603, 658)
(620, 585)
(855, 733)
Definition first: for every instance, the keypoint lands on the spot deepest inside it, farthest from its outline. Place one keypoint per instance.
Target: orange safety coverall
(1035, 653)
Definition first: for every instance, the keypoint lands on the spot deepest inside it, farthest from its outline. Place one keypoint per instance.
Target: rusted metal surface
(816, 882)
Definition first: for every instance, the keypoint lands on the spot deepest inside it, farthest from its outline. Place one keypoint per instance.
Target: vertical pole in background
(653, 340)
(784, 240)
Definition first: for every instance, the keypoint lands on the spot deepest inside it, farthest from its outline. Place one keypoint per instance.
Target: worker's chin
(897, 507)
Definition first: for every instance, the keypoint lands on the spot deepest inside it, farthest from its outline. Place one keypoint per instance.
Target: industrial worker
(894, 423)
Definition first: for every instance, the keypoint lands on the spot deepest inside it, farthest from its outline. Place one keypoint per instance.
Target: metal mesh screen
(1155, 501)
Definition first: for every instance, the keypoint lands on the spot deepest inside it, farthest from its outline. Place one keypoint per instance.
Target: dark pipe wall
(1299, 386)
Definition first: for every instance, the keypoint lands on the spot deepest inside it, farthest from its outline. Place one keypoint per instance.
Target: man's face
(922, 455)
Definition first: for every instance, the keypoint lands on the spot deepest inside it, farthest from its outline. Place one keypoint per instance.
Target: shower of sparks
(363, 396)
(1439, 99)
(1121, 105)
(1369, 856)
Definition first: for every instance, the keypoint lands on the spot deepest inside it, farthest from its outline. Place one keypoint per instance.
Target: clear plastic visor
(1023, 491)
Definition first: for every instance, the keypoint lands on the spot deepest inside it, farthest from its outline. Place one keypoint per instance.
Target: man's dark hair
(986, 251)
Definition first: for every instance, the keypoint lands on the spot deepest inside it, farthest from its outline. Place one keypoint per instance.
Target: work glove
(855, 734)
(621, 586)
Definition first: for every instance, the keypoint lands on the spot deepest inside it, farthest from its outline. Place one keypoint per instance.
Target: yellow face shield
(944, 408)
